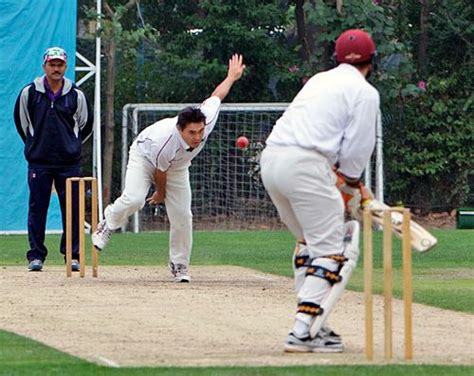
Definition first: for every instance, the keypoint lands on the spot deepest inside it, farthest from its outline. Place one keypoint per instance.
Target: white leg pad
(301, 250)
(351, 252)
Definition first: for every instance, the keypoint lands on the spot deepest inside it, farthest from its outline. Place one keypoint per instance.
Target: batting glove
(354, 194)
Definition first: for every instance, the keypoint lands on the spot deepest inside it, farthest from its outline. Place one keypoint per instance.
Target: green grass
(22, 356)
(442, 278)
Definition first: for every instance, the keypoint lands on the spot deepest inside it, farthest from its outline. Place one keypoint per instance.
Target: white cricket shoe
(327, 333)
(307, 344)
(101, 235)
(179, 272)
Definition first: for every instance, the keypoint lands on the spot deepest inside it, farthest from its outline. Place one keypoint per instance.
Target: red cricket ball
(242, 142)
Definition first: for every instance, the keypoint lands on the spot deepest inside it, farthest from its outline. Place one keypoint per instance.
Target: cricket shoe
(179, 272)
(35, 265)
(101, 235)
(329, 334)
(75, 265)
(307, 344)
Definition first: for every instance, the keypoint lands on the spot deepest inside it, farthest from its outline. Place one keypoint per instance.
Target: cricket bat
(421, 239)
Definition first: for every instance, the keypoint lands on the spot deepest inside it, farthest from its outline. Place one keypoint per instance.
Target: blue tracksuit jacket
(53, 131)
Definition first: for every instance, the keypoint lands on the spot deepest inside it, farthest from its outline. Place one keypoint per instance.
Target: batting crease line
(109, 362)
(262, 277)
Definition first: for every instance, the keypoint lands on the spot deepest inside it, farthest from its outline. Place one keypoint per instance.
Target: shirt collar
(191, 149)
(350, 68)
(50, 92)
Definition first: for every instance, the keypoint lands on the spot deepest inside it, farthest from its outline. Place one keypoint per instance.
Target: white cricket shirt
(162, 144)
(335, 114)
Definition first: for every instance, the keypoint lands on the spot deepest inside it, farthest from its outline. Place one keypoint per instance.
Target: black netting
(227, 189)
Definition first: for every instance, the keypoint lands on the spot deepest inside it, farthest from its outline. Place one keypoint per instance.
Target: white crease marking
(262, 277)
(109, 362)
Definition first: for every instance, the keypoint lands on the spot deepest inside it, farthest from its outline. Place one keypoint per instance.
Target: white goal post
(227, 189)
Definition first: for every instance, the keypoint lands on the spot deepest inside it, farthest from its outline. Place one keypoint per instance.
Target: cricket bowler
(161, 156)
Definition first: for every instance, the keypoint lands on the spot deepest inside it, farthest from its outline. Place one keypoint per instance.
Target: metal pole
(379, 183)
(124, 148)
(97, 111)
(136, 216)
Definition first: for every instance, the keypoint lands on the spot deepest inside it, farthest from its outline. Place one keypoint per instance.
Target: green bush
(430, 153)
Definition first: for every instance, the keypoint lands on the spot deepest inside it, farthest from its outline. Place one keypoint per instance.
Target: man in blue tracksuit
(53, 119)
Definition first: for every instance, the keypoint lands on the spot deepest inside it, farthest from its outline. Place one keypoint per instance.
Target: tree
(115, 39)
(431, 153)
(424, 75)
(423, 43)
(197, 38)
(112, 33)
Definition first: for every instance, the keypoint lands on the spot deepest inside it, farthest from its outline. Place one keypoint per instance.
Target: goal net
(227, 191)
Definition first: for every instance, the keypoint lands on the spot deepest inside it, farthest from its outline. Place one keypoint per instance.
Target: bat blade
(421, 240)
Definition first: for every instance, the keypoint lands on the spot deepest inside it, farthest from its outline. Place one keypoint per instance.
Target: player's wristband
(351, 182)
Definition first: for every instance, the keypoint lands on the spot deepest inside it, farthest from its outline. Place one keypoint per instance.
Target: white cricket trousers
(138, 180)
(302, 186)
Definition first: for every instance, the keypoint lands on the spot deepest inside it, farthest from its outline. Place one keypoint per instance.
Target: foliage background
(176, 51)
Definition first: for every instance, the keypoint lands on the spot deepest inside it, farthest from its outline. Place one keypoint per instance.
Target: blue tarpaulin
(27, 28)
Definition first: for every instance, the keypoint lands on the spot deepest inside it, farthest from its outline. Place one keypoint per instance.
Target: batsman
(331, 122)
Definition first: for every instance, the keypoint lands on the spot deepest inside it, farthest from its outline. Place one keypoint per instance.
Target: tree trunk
(108, 151)
(305, 32)
(423, 42)
(301, 30)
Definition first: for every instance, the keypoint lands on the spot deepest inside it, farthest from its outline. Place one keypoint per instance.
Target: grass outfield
(22, 356)
(442, 278)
